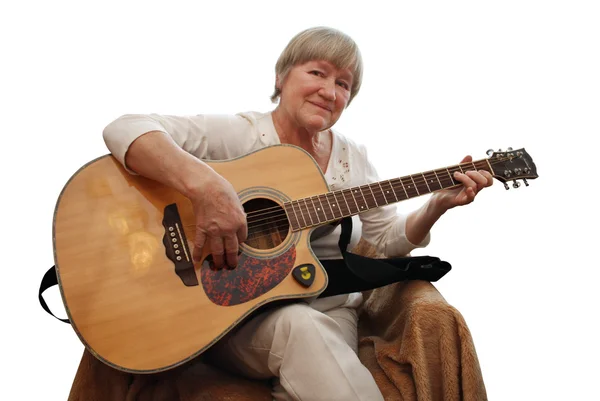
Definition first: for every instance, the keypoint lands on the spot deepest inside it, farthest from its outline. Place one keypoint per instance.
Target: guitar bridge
(176, 247)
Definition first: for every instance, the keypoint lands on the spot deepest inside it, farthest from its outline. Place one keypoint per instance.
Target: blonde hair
(321, 43)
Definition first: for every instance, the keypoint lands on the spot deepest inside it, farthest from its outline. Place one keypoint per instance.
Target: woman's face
(315, 94)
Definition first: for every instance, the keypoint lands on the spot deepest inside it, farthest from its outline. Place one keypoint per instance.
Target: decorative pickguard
(251, 278)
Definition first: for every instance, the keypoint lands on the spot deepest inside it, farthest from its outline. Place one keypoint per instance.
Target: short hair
(321, 43)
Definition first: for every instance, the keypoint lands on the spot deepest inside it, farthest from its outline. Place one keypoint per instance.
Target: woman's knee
(302, 321)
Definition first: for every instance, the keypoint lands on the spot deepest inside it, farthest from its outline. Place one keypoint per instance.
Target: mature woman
(310, 349)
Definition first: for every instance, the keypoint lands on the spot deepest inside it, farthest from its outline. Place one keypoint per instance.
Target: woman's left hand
(473, 182)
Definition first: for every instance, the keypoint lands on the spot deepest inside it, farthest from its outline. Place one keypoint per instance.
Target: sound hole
(268, 225)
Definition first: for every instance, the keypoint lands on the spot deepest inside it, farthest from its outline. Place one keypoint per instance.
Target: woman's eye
(317, 73)
(344, 85)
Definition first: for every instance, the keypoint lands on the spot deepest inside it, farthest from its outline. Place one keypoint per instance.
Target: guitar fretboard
(320, 209)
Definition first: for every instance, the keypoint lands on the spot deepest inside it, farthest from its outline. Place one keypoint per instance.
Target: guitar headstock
(512, 165)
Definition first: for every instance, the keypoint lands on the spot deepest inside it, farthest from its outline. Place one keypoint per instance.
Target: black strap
(353, 273)
(49, 280)
(356, 273)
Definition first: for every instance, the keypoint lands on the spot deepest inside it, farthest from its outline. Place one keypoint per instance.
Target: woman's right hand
(220, 221)
(220, 218)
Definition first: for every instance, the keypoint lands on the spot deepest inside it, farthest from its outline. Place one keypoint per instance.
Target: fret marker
(334, 205)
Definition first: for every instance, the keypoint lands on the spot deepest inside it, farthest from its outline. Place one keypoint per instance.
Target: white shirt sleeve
(384, 227)
(210, 137)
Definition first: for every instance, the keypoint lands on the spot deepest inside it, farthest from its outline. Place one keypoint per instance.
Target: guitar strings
(420, 178)
(268, 232)
(416, 177)
(277, 212)
(379, 196)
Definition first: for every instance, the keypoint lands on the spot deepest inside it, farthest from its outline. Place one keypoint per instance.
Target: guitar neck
(332, 206)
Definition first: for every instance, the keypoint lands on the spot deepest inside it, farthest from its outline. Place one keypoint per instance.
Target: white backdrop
(442, 80)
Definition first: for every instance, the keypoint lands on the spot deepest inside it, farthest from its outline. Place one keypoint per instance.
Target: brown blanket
(416, 346)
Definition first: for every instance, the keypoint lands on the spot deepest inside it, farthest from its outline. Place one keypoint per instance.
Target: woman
(310, 349)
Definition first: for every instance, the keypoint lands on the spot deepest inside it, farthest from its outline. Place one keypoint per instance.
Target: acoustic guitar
(123, 249)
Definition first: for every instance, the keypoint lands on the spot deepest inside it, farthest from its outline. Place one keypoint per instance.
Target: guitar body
(122, 246)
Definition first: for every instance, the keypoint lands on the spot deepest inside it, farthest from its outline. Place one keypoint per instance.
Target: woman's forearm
(420, 221)
(156, 156)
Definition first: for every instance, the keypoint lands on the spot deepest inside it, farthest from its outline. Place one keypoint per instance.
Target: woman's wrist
(437, 205)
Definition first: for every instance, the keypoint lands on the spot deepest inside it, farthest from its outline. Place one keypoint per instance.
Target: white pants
(312, 355)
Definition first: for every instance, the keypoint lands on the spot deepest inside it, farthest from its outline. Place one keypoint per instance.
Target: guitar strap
(353, 273)
(50, 280)
(356, 273)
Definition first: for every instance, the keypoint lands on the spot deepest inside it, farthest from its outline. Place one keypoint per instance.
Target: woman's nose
(328, 90)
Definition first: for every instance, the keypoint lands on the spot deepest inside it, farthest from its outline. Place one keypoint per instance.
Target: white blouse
(222, 137)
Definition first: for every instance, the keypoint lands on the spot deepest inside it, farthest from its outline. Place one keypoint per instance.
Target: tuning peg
(490, 152)
(516, 184)
(506, 186)
(509, 149)
(525, 181)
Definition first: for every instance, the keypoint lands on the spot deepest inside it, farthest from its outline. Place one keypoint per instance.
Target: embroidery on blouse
(340, 173)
